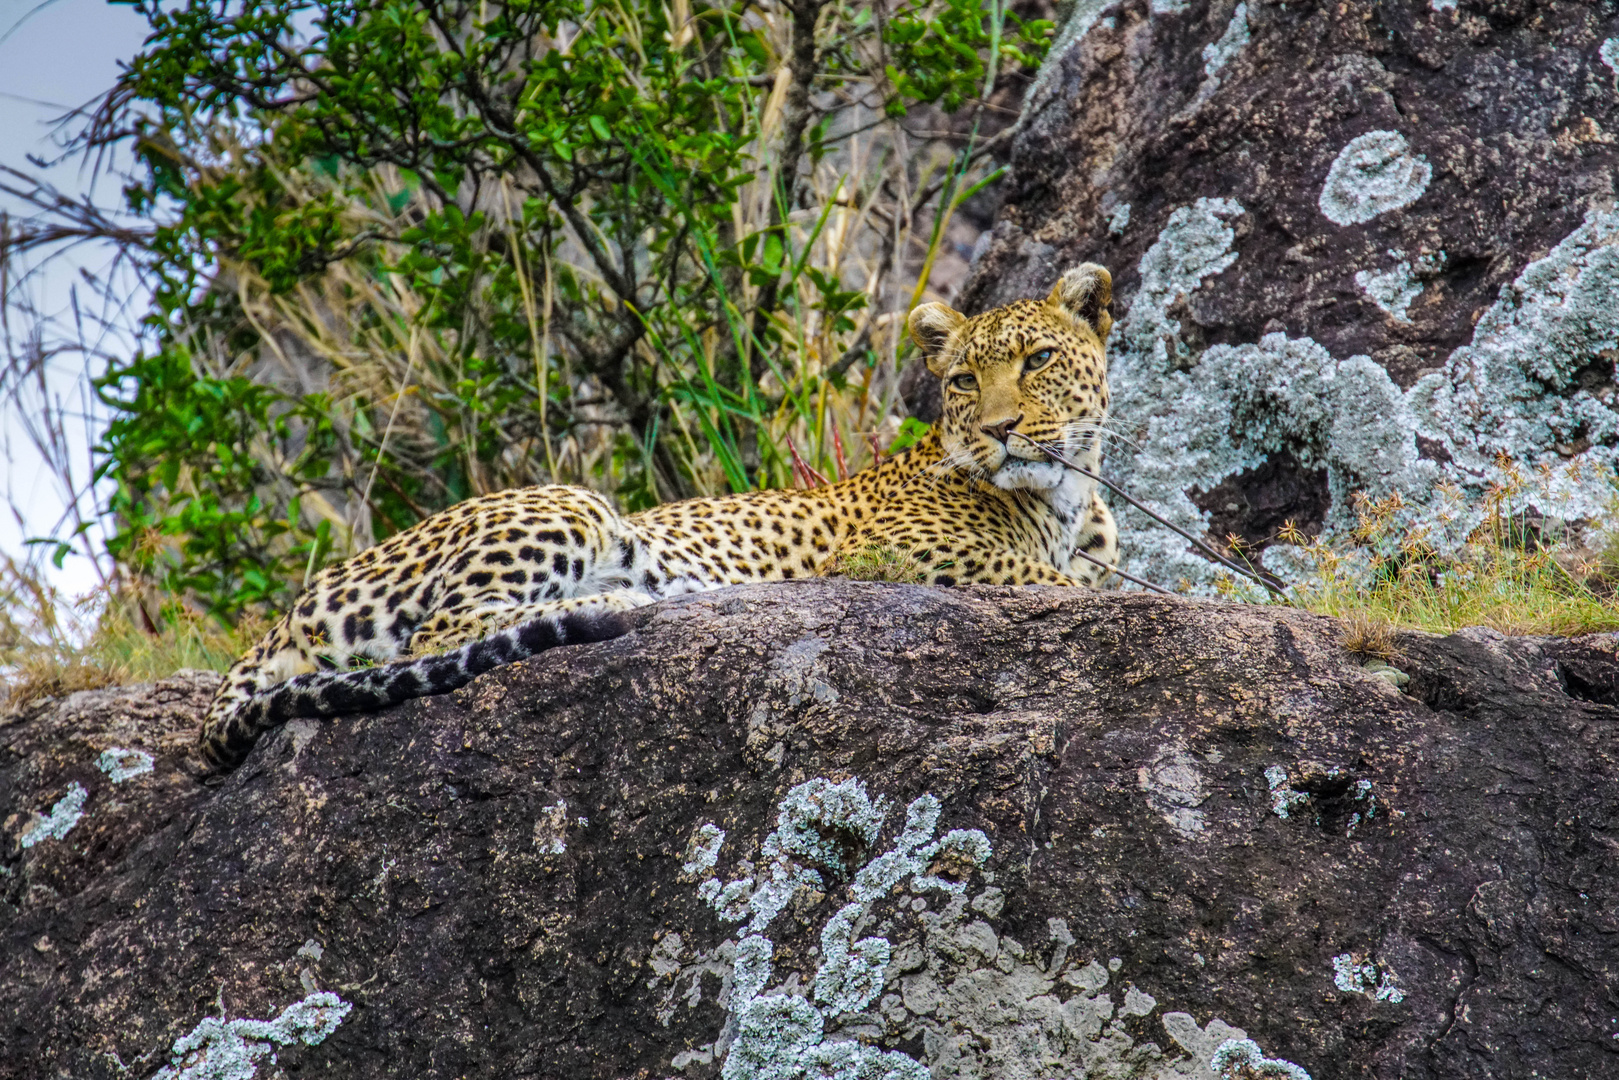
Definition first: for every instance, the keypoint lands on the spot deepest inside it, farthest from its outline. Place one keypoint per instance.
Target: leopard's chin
(1018, 474)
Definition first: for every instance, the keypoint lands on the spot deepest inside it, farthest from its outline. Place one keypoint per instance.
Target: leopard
(981, 497)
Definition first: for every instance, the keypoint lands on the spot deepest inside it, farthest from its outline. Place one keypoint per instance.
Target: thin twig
(1128, 577)
(1127, 497)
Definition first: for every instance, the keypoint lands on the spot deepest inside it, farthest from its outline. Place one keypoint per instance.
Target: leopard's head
(1032, 370)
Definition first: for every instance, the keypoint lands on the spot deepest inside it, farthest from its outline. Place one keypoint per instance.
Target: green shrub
(417, 251)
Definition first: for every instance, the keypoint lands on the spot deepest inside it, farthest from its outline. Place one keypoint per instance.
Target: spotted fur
(502, 577)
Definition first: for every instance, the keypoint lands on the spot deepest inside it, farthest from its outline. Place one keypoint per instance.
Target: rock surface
(990, 832)
(1361, 246)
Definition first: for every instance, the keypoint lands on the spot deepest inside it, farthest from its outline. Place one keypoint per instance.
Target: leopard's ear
(1083, 295)
(931, 326)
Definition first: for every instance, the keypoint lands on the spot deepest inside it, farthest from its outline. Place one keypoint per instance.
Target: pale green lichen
(962, 847)
(1609, 54)
(1513, 390)
(781, 1036)
(1375, 173)
(60, 821)
(1241, 1059)
(1119, 220)
(1516, 390)
(221, 1049)
(1357, 975)
(1219, 53)
(751, 970)
(818, 823)
(851, 972)
(1194, 244)
(978, 1003)
(1241, 404)
(705, 851)
(1284, 800)
(120, 764)
(882, 873)
(1363, 795)
(817, 820)
(1392, 289)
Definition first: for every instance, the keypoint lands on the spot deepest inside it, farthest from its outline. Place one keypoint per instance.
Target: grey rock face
(1368, 247)
(841, 829)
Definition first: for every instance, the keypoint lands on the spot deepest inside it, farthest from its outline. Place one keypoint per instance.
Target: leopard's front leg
(454, 627)
(1100, 540)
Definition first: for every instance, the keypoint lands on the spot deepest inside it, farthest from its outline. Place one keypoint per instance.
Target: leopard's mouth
(1029, 449)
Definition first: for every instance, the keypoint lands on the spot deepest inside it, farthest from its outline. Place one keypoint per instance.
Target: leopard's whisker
(1102, 428)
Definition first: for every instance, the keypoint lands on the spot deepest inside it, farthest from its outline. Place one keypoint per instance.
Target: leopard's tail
(234, 723)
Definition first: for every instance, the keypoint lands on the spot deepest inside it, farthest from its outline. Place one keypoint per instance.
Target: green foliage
(941, 49)
(192, 520)
(910, 431)
(878, 562)
(411, 251)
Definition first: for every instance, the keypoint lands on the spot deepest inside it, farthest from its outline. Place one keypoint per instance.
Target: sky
(54, 56)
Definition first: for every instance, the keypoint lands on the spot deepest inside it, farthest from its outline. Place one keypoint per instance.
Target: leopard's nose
(1002, 430)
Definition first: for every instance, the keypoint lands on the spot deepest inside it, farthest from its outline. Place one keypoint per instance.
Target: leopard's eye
(1037, 361)
(965, 382)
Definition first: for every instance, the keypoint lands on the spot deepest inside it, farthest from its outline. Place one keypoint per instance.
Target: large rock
(860, 829)
(1357, 247)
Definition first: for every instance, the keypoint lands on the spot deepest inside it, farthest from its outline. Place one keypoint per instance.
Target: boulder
(1357, 247)
(840, 829)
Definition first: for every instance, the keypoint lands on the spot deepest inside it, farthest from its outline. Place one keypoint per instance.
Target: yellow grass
(1506, 577)
(49, 647)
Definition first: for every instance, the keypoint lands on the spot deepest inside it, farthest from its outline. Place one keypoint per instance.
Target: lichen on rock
(1394, 289)
(1118, 221)
(1356, 975)
(705, 851)
(1511, 395)
(1373, 174)
(1284, 800)
(1218, 54)
(1242, 1059)
(980, 1003)
(782, 1035)
(1514, 390)
(221, 1049)
(120, 764)
(60, 821)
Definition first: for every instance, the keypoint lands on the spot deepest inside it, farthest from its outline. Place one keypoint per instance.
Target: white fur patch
(1016, 474)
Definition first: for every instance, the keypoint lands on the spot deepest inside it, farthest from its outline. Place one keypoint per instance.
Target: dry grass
(1369, 637)
(1512, 574)
(877, 562)
(50, 647)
